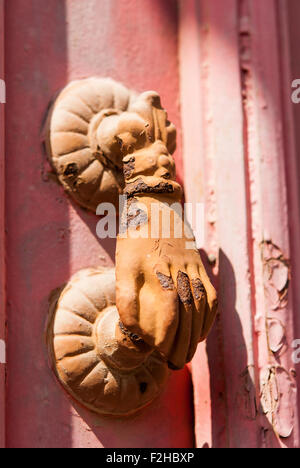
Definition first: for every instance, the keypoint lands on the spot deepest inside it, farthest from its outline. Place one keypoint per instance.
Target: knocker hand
(163, 292)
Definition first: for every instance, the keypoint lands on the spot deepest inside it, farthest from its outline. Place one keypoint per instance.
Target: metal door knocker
(113, 334)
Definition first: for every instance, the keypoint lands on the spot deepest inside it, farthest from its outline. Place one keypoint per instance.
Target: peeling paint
(276, 275)
(278, 393)
(276, 334)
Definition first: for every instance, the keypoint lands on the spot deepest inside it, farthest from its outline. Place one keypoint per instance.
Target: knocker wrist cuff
(152, 185)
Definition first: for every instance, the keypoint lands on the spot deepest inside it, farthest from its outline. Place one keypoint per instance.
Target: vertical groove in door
(199, 175)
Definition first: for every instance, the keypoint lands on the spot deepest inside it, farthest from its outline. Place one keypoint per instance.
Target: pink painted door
(224, 69)
(48, 238)
(238, 60)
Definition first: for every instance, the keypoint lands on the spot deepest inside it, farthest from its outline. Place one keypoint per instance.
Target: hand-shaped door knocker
(113, 334)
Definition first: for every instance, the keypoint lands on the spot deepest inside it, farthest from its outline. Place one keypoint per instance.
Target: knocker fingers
(178, 355)
(180, 345)
(200, 301)
(127, 301)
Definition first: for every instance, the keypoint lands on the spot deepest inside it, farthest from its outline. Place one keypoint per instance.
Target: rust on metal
(139, 186)
(184, 288)
(165, 281)
(128, 167)
(198, 288)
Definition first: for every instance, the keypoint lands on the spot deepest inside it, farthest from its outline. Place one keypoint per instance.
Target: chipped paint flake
(278, 394)
(276, 334)
(276, 275)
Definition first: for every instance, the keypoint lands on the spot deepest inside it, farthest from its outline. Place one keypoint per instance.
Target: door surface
(48, 44)
(224, 70)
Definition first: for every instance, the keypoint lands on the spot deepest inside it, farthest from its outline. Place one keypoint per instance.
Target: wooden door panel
(49, 238)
